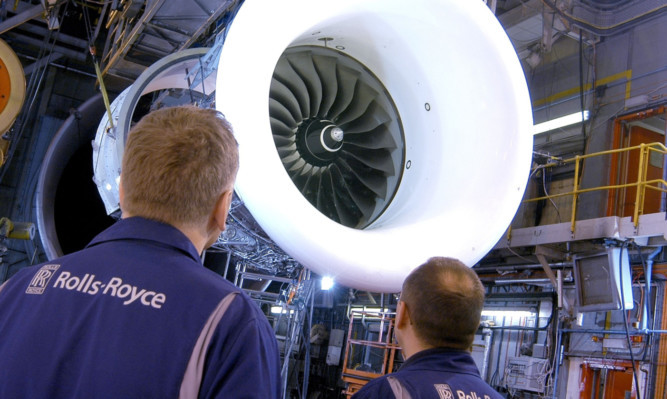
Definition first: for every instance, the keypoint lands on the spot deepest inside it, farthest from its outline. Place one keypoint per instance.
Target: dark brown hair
(445, 300)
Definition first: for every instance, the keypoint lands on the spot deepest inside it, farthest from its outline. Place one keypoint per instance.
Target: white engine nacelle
(461, 96)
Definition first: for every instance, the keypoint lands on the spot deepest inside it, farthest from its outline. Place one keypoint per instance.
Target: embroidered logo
(444, 391)
(41, 279)
(115, 287)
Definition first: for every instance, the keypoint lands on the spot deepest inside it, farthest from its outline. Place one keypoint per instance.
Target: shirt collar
(457, 359)
(146, 229)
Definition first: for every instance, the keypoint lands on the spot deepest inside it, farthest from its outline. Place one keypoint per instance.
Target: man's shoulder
(375, 388)
(446, 384)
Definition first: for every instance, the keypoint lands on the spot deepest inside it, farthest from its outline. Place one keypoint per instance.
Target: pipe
(488, 335)
(525, 296)
(568, 279)
(39, 63)
(649, 272)
(482, 269)
(20, 18)
(519, 328)
(73, 54)
(558, 358)
(596, 331)
(306, 366)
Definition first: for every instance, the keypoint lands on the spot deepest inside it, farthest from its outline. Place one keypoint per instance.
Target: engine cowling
(435, 131)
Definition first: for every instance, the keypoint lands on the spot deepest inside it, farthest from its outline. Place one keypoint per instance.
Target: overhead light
(327, 283)
(508, 313)
(563, 121)
(375, 309)
(281, 310)
(369, 309)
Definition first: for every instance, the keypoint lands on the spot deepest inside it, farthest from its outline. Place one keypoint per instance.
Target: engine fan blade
(326, 70)
(283, 95)
(343, 148)
(303, 65)
(286, 75)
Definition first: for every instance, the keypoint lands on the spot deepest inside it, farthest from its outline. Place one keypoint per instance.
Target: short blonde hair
(177, 162)
(445, 300)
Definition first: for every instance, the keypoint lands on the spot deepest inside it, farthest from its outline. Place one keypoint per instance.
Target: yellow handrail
(641, 184)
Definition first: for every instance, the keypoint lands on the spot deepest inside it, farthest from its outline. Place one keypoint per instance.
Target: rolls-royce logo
(41, 279)
(444, 391)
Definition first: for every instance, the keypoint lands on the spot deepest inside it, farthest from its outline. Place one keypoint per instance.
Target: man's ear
(222, 209)
(121, 193)
(402, 315)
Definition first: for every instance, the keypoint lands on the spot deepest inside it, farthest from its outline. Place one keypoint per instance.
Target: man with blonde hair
(135, 314)
(436, 319)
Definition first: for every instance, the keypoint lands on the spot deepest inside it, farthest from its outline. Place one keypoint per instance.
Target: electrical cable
(625, 317)
(544, 187)
(494, 376)
(517, 255)
(557, 356)
(581, 83)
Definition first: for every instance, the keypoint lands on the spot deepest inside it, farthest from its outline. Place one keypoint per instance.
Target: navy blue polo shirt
(431, 374)
(134, 315)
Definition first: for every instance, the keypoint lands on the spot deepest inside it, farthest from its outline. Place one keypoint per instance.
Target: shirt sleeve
(242, 359)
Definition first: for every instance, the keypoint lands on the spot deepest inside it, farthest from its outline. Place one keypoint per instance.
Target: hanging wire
(93, 53)
(544, 187)
(581, 83)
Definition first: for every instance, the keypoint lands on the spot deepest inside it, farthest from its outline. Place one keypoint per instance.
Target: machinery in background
(576, 346)
(370, 350)
(12, 95)
(341, 142)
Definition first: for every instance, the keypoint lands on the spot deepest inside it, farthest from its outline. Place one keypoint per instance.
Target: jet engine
(373, 134)
(376, 134)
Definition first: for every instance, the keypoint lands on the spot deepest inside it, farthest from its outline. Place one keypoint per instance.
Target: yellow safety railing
(641, 184)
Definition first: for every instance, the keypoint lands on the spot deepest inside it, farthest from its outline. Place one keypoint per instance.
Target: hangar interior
(575, 279)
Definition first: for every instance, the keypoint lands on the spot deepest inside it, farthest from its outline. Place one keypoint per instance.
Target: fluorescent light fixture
(280, 309)
(508, 313)
(563, 121)
(368, 309)
(327, 283)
